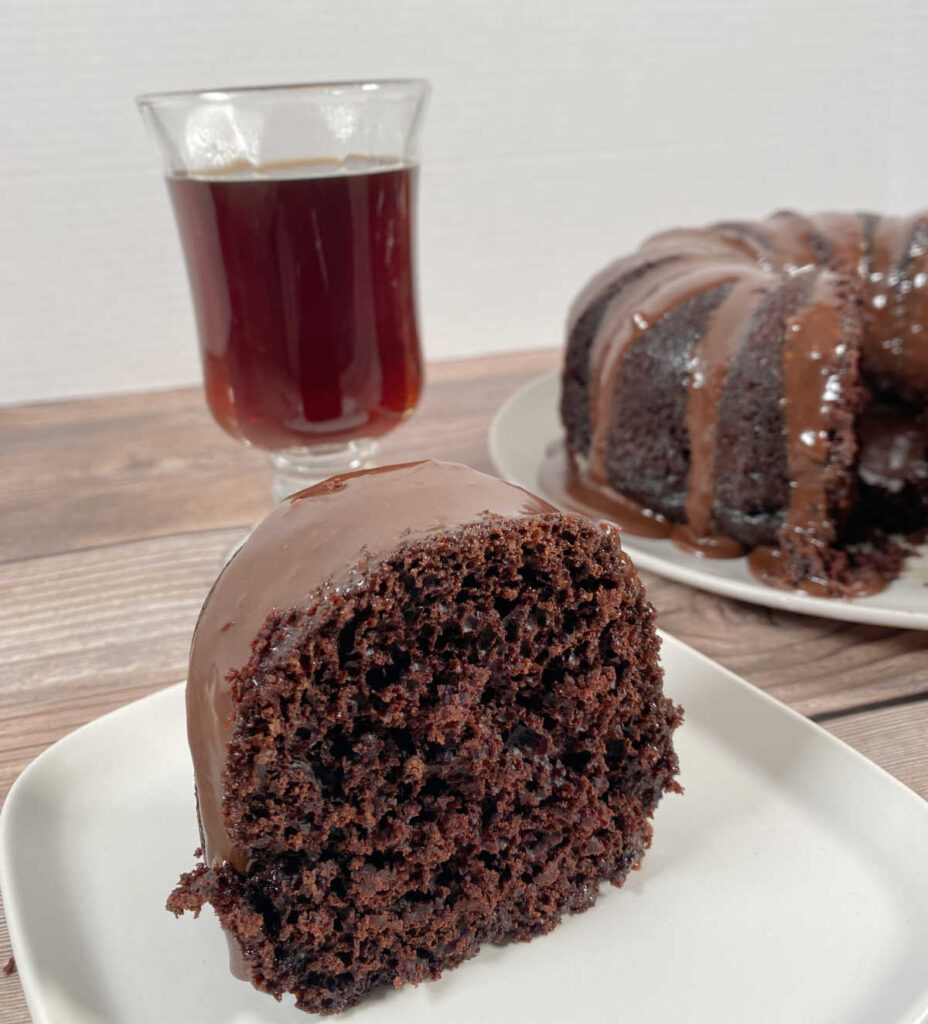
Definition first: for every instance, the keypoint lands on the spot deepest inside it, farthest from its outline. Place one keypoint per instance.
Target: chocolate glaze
(770, 566)
(812, 387)
(631, 313)
(562, 479)
(812, 373)
(791, 238)
(708, 370)
(686, 243)
(845, 233)
(748, 235)
(321, 538)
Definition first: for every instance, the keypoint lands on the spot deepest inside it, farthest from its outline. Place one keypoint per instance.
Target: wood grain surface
(115, 514)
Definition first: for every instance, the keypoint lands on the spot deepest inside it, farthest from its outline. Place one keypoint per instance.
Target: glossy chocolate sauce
(568, 488)
(561, 480)
(770, 566)
(812, 388)
(629, 315)
(789, 238)
(709, 365)
(845, 234)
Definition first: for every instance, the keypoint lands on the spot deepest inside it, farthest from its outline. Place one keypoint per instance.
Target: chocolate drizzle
(563, 479)
(313, 541)
(630, 315)
(846, 235)
(812, 387)
(794, 242)
(708, 370)
(667, 246)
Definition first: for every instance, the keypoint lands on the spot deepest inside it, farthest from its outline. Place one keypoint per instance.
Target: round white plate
(528, 424)
(786, 886)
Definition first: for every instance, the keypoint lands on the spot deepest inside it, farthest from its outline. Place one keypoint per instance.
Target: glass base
(298, 468)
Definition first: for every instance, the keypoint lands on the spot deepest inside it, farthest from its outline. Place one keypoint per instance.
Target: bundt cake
(762, 387)
(426, 712)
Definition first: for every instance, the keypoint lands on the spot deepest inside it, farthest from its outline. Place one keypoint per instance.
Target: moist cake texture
(761, 387)
(426, 713)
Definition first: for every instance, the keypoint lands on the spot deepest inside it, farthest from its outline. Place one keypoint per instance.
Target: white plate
(786, 887)
(527, 426)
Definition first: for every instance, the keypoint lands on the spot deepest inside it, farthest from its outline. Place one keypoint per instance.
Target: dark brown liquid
(768, 565)
(558, 478)
(559, 481)
(304, 292)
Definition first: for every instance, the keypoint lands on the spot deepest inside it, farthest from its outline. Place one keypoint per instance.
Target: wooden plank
(83, 633)
(86, 631)
(817, 666)
(99, 471)
(13, 1009)
(895, 738)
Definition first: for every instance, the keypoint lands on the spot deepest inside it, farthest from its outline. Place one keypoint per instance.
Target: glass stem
(295, 469)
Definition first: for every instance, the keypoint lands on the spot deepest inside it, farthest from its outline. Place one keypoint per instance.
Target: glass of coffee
(296, 208)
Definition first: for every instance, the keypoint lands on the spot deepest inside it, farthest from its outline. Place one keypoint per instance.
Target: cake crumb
(9, 967)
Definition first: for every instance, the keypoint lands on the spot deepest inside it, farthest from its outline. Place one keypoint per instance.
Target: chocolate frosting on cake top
(321, 537)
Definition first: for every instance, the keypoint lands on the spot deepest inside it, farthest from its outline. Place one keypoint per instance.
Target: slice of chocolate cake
(426, 712)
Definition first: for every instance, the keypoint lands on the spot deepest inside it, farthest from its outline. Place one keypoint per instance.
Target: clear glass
(296, 209)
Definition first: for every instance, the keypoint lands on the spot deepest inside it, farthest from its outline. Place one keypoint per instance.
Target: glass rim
(223, 95)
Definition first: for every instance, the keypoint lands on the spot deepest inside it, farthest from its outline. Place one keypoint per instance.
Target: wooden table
(115, 512)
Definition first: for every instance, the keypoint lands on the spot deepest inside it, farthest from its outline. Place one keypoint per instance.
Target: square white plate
(788, 886)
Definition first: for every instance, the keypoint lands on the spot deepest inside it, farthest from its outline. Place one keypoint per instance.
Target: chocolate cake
(426, 713)
(762, 387)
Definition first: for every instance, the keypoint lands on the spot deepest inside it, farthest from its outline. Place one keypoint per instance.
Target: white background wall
(560, 133)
